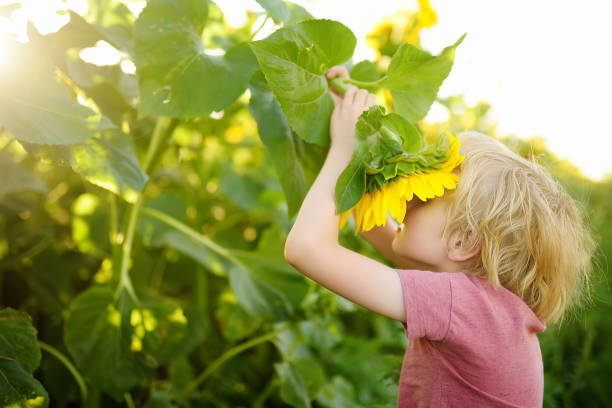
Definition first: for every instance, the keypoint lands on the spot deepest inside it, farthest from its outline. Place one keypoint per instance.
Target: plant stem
(339, 84)
(163, 129)
(207, 242)
(261, 398)
(222, 359)
(260, 27)
(75, 373)
(124, 277)
(128, 400)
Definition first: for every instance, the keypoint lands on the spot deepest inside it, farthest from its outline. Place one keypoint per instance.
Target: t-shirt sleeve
(428, 303)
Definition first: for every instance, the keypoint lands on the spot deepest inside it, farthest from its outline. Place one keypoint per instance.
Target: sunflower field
(144, 207)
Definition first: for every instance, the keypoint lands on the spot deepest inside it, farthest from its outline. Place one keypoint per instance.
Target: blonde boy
(483, 268)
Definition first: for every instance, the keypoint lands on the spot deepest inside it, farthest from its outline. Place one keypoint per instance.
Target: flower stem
(128, 400)
(222, 359)
(207, 242)
(339, 84)
(66, 362)
(260, 27)
(163, 130)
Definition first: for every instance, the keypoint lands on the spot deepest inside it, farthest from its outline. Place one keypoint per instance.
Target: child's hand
(347, 109)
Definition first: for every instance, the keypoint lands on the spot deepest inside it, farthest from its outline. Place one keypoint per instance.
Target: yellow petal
(418, 187)
(360, 210)
(394, 204)
(376, 203)
(408, 192)
(387, 197)
(435, 184)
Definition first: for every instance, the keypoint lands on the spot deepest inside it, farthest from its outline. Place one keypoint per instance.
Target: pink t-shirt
(469, 344)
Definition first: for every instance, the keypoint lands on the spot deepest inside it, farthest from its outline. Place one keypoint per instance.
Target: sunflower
(372, 208)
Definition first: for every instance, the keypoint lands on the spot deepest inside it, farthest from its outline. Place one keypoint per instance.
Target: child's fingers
(337, 99)
(349, 95)
(337, 71)
(371, 101)
(361, 97)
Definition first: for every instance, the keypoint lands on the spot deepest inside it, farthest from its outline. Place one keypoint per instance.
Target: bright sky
(542, 64)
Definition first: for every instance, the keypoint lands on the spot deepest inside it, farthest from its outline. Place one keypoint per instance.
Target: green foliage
(177, 77)
(19, 357)
(144, 236)
(294, 60)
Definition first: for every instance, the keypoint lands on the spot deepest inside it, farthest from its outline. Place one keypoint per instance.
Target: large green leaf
(19, 339)
(294, 60)
(106, 160)
(297, 162)
(414, 77)
(351, 184)
(35, 108)
(270, 286)
(18, 388)
(177, 77)
(95, 336)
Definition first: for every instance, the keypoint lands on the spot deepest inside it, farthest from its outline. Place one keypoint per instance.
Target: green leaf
(19, 339)
(16, 178)
(177, 78)
(277, 9)
(365, 71)
(234, 321)
(414, 77)
(95, 335)
(160, 329)
(106, 160)
(284, 12)
(18, 388)
(113, 20)
(296, 162)
(338, 393)
(351, 184)
(294, 60)
(292, 388)
(35, 108)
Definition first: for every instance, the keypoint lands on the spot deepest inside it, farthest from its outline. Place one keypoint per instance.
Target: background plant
(143, 218)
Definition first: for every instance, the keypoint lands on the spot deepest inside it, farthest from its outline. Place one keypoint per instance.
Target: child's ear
(461, 246)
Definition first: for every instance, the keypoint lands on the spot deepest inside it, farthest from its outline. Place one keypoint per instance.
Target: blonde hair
(531, 232)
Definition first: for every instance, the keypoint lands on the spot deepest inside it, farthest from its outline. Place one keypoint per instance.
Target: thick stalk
(163, 129)
(339, 84)
(66, 362)
(222, 359)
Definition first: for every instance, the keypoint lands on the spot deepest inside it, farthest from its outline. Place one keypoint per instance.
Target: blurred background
(532, 74)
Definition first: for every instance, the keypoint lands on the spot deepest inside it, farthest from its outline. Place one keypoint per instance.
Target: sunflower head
(422, 175)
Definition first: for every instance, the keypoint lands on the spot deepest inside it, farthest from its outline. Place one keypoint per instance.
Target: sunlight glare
(135, 7)
(128, 66)
(102, 54)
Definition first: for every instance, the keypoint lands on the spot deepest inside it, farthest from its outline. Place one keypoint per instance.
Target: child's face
(419, 237)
